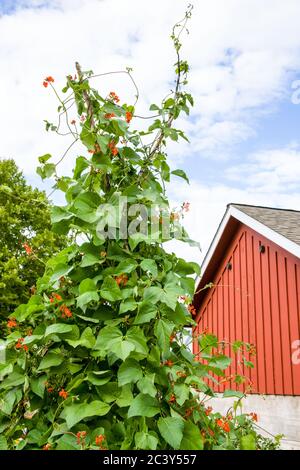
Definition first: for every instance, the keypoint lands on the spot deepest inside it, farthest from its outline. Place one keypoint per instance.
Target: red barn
(254, 265)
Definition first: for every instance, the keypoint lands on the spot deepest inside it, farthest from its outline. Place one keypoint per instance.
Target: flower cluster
(47, 81)
(128, 116)
(99, 440)
(20, 344)
(113, 96)
(80, 436)
(223, 424)
(192, 310)
(63, 394)
(121, 280)
(65, 311)
(27, 248)
(11, 323)
(112, 147)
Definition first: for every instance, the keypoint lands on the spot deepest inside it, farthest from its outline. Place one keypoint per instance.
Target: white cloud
(241, 55)
(270, 171)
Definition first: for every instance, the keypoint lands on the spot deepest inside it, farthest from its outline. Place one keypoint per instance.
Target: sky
(244, 58)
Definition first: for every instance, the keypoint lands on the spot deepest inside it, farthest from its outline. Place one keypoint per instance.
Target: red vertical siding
(257, 301)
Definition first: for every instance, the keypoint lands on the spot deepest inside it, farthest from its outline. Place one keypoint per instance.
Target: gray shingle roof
(283, 221)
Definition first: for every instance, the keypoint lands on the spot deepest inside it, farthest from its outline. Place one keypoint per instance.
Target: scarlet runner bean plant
(97, 359)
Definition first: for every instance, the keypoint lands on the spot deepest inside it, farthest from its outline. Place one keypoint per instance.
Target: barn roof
(284, 221)
(281, 226)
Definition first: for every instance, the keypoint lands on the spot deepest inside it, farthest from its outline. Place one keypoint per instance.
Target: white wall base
(277, 414)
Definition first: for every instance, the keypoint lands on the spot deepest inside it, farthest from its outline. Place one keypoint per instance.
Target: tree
(98, 358)
(26, 238)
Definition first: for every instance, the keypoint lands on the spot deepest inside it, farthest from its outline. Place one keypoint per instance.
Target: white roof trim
(267, 232)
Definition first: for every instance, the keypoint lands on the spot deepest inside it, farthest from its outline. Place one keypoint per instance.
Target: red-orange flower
(172, 398)
(121, 280)
(63, 394)
(208, 410)
(11, 323)
(113, 148)
(254, 416)
(50, 389)
(114, 97)
(99, 440)
(192, 310)
(27, 248)
(223, 425)
(49, 79)
(169, 363)
(128, 116)
(109, 115)
(45, 84)
(47, 447)
(172, 337)
(66, 312)
(81, 435)
(20, 344)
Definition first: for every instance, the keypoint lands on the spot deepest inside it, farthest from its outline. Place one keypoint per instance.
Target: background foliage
(24, 219)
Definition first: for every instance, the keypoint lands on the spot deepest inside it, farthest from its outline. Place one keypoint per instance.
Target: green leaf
(128, 305)
(107, 337)
(99, 377)
(37, 385)
(88, 293)
(136, 336)
(233, 393)
(184, 268)
(125, 398)
(50, 360)
(87, 136)
(146, 441)
(86, 339)
(163, 330)
(182, 393)
(144, 405)
(220, 362)
(81, 165)
(57, 328)
(149, 265)
(122, 349)
(110, 290)
(248, 442)
(153, 294)
(67, 442)
(126, 266)
(171, 429)
(192, 439)
(146, 312)
(129, 372)
(44, 158)
(73, 414)
(180, 173)
(103, 141)
(13, 380)
(3, 443)
(146, 385)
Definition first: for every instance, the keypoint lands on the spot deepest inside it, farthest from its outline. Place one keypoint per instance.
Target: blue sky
(244, 58)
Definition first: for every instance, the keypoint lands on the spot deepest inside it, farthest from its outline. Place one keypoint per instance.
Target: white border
(267, 232)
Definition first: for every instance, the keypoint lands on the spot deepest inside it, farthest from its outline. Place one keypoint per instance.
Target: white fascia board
(267, 232)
